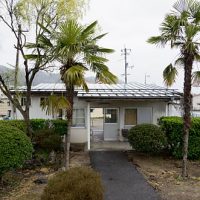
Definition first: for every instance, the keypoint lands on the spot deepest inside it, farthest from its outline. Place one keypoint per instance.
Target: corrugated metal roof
(132, 90)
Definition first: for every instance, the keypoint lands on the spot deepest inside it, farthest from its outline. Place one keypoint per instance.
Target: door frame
(118, 119)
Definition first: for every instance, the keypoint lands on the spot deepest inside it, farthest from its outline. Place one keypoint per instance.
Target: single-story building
(196, 105)
(4, 106)
(123, 106)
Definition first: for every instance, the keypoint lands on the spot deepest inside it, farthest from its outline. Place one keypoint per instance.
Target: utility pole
(145, 79)
(17, 56)
(125, 53)
(19, 32)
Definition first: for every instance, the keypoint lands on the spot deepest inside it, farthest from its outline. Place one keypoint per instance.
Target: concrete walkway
(110, 146)
(121, 179)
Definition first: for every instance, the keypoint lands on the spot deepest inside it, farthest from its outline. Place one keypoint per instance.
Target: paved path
(121, 179)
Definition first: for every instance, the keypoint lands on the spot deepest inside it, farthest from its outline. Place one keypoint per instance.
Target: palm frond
(104, 50)
(179, 62)
(74, 76)
(97, 67)
(43, 41)
(169, 74)
(99, 36)
(191, 31)
(197, 57)
(157, 40)
(95, 59)
(33, 56)
(195, 11)
(53, 103)
(45, 29)
(182, 5)
(90, 29)
(31, 45)
(106, 77)
(196, 78)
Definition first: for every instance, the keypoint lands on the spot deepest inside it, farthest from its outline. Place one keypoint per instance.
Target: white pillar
(167, 110)
(88, 125)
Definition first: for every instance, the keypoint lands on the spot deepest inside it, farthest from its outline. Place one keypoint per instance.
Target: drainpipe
(88, 125)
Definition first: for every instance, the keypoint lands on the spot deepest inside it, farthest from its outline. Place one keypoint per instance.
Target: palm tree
(181, 30)
(77, 50)
(53, 104)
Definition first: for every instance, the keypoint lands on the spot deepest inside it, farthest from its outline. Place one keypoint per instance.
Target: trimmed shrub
(147, 138)
(173, 128)
(60, 126)
(15, 148)
(48, 140)
(20, 124)
(75, 184)
(38, 124)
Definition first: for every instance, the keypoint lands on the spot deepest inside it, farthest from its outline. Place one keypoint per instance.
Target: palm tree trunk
(187, 104)
(70, 98)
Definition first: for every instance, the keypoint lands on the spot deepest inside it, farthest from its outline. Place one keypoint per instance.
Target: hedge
(147, 138)
(60, 126)
(15, 148)
(173, 127)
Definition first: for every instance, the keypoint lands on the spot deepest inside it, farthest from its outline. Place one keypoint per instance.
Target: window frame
(130, 108)
(23, 101)
(117, 109)
(74, 125)
(9, 113)
(43, 98)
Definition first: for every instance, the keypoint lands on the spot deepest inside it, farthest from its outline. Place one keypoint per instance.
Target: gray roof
(131, 91)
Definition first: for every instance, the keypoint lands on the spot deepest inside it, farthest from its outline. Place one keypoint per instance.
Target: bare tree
(37, 16)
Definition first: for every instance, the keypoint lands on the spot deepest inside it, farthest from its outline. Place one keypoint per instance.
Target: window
(111, 115)
(78, 118)
(23, 101)
(9, 113)
(43, 100)
(130, 116)
(60, 114)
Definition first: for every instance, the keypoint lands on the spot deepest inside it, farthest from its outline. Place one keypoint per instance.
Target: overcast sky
(129, 23)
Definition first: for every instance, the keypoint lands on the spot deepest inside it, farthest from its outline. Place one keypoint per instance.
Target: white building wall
(158, 107)
(36, 111)
(80, 134)
(4, 107)
(196, 102)
(174, 110)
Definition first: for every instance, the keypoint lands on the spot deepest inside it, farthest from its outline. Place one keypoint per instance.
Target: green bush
(75, 184)
(47, 139)
(60, 126)
(173, 128)
(20, 124)
(38, 124)
(15, 148)
(147, 138)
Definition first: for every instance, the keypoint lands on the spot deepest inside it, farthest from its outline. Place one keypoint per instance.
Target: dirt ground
(29, 190)
(163, 173)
